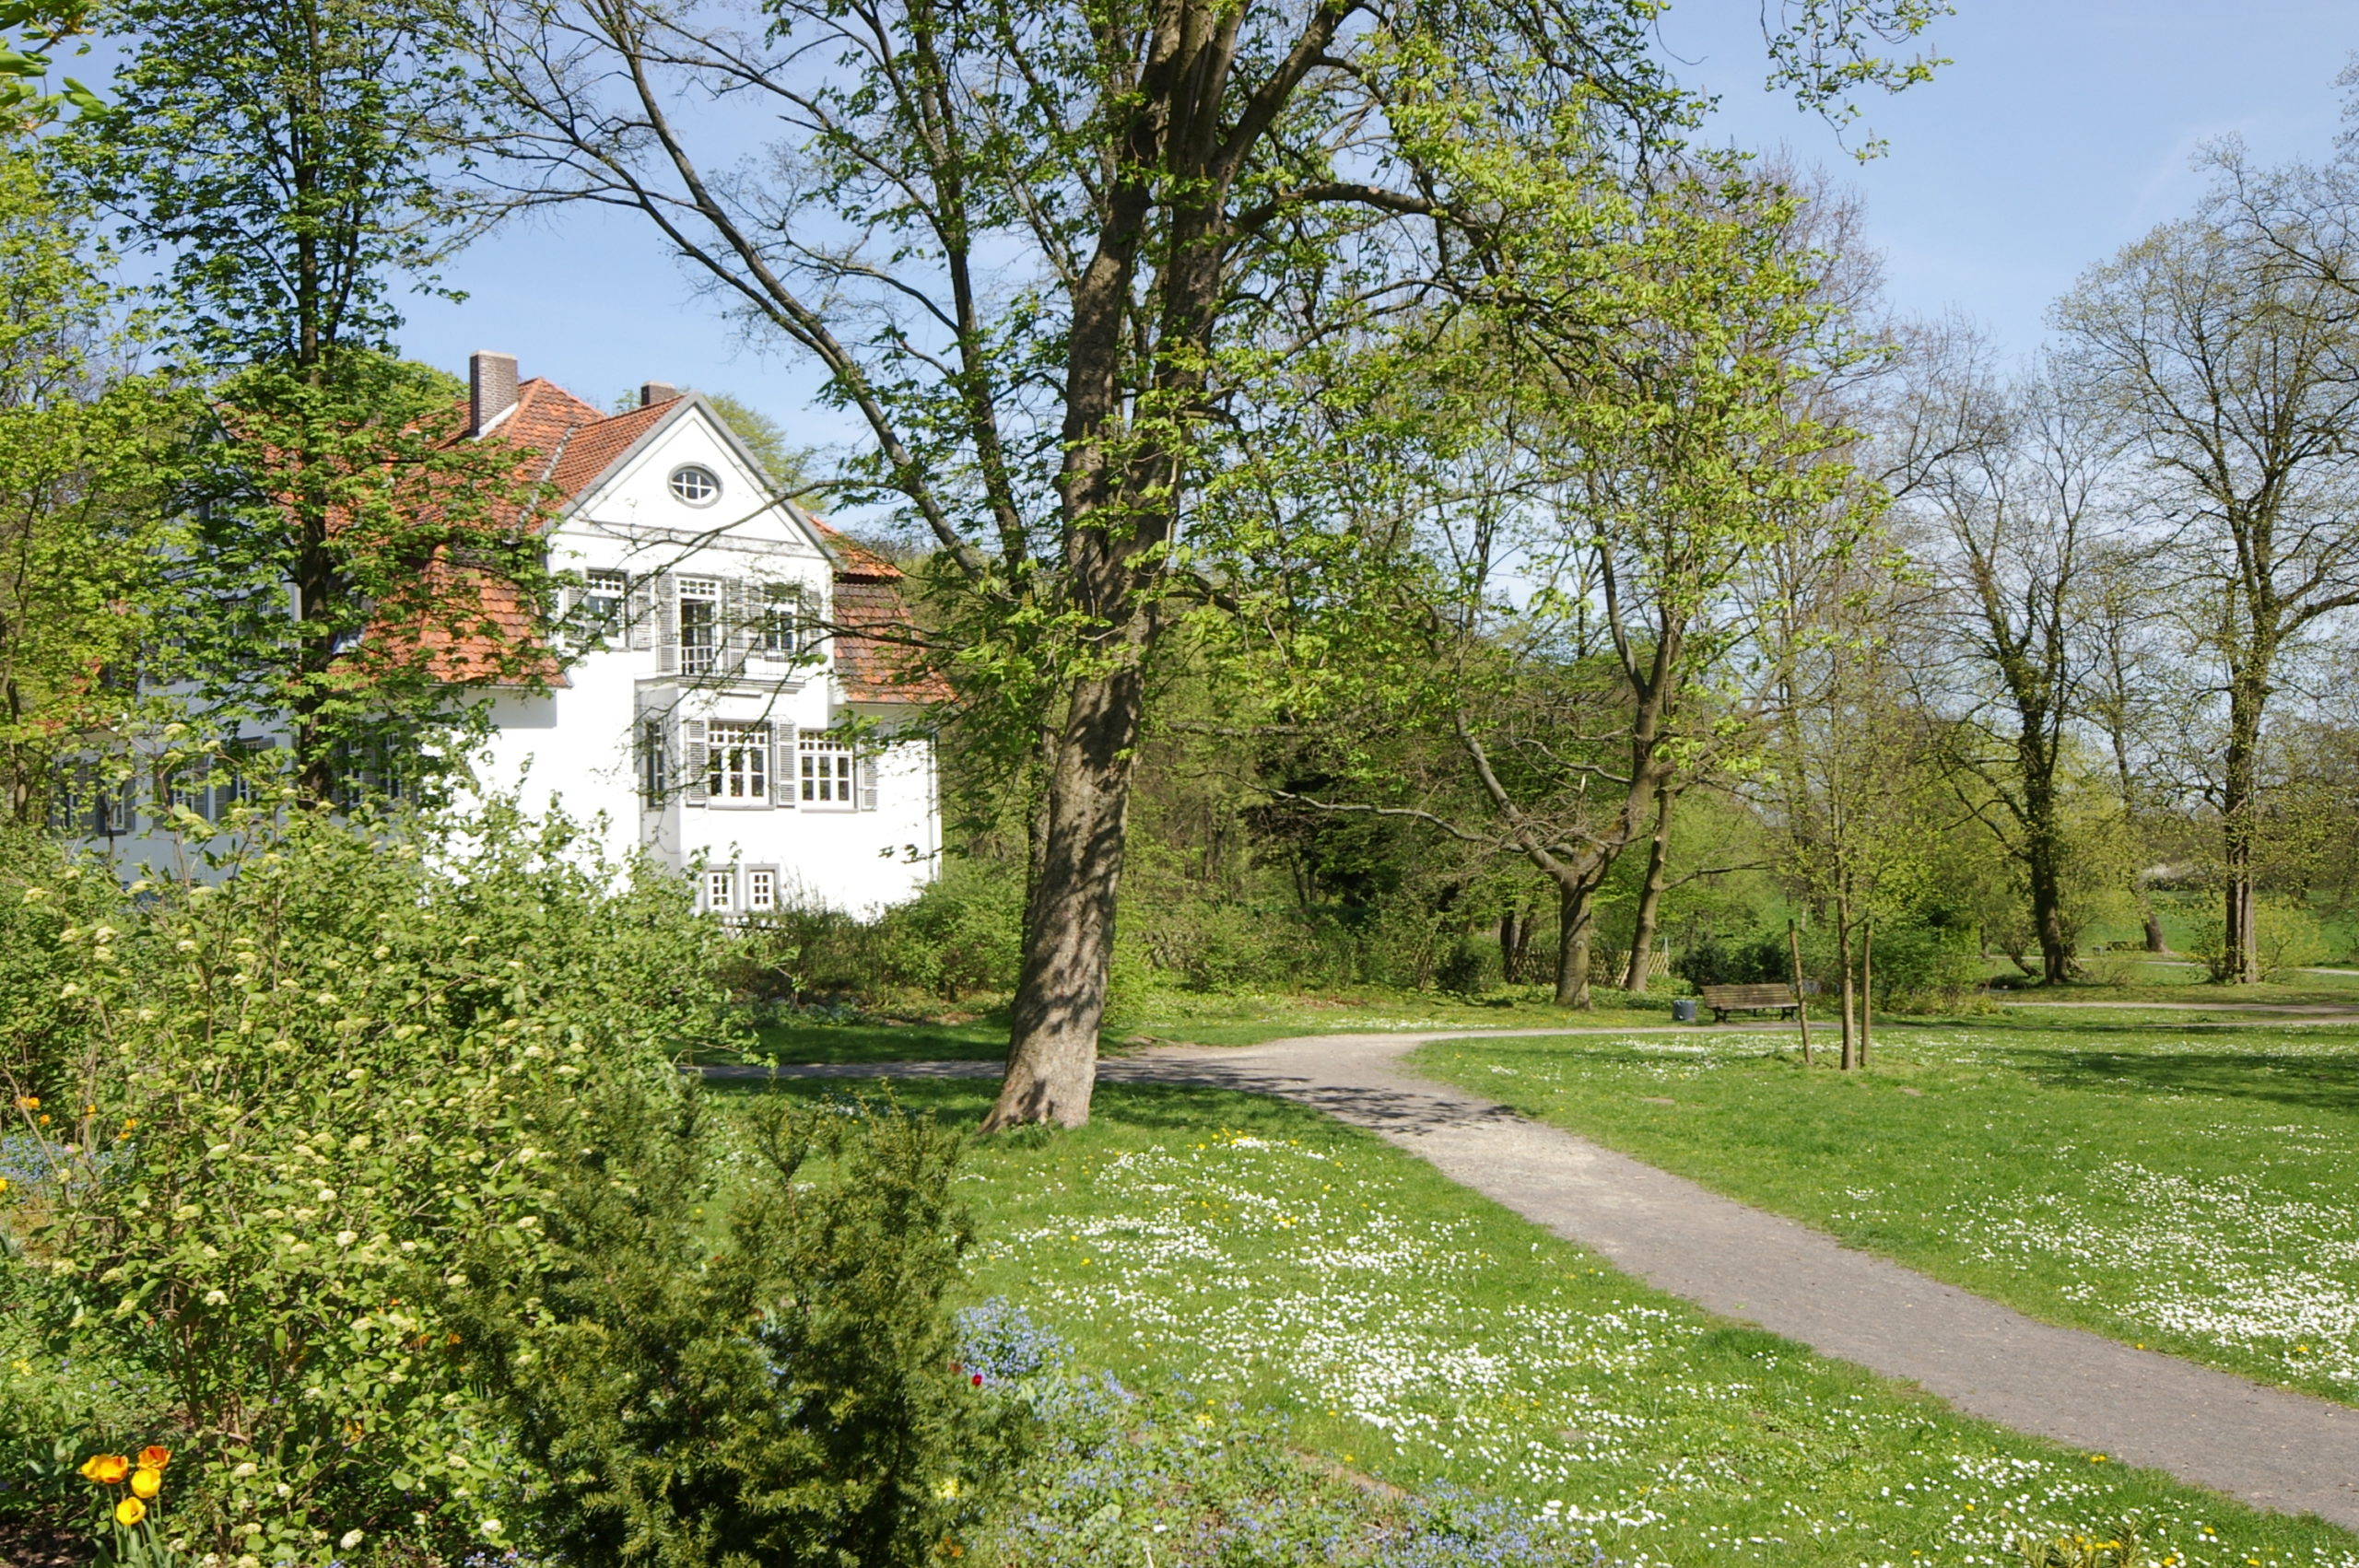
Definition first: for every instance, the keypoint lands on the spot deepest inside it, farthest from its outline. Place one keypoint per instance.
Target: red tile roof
(569, 445)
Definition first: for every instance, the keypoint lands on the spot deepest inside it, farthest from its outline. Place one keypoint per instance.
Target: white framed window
(696, 485)
(761, 888)
(737, 765)
(779, 633)
(700, 624)
(827, 771)
(604, 591)
(654, 761)
(721, 891)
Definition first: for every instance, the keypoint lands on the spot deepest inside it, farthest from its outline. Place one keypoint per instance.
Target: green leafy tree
(1602, 476)
(1045, 254)
(2226, 348)
(354, 558)
(85, 461)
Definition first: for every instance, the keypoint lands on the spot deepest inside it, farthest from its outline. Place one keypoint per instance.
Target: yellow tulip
(105, 1469)
(154, 1458)
(145, 1482)
(130, 1511)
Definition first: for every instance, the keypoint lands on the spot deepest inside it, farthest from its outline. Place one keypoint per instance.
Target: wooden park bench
(1725, 1000)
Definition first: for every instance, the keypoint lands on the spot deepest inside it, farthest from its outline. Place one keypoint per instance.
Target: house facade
(728, 692)
(717, 705)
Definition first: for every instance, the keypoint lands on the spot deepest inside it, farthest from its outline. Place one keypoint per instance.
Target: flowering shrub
(255, 1124)
(772, 1386)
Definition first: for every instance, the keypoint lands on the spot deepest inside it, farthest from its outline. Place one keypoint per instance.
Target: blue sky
(2062, 130)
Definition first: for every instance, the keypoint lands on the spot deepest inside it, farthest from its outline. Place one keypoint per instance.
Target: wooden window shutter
(638, 611)
(667, 622)
(738, 623)
(786, 786)
(695, 760)
(863, 773)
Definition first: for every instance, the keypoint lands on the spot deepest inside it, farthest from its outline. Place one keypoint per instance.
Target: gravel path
(2271, 1447)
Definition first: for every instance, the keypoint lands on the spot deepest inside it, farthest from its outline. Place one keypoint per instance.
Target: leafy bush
(961, 935)
(267, 1116)
(1747, 960)
(1466, 968)
(2285, 938)
(777, 1387)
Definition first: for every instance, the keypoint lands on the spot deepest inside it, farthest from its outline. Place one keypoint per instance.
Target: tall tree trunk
(1069, 921)
(1801, 1001)
(2043, 863)
(1642, 934)
(1843, 956)
(1867, 988)
(2239, 806)
(1512, 939)
(2154, 940)
(1575, 925)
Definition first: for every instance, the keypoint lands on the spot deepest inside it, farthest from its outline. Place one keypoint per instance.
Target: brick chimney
(491, 382)
(653, 393)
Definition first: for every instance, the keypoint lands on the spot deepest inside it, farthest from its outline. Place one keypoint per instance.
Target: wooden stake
(1802, 1006)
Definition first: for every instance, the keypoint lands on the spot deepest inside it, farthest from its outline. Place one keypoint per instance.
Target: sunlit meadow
(1260, 1258)
(2195, 1190)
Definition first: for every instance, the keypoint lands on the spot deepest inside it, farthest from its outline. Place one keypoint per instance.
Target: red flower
(978, 1380)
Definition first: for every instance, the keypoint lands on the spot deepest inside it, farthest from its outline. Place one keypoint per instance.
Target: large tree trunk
(1642, 934)
(1069, 920)
(2239, 805)
(2043, 863)
(1576, 923)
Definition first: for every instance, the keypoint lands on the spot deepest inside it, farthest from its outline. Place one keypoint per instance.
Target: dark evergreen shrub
(777, 1385)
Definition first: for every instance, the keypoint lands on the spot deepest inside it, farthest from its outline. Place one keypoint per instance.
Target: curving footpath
(2268, 1446)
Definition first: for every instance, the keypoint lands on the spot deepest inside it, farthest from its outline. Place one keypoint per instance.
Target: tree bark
(1843, 956)
(1069, 920)
(1802, 1002)
(1642, 934)
(1867, 988)
(2044, 852)
(1576, 920)
(2239, 802)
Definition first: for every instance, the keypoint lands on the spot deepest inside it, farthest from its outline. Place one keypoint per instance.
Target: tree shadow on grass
(2305, 1081)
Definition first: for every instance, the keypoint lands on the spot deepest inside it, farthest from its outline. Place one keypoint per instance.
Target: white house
(715, 699)
(704, 708)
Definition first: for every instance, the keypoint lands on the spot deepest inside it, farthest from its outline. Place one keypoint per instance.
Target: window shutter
(863, 773)
(694, 761)
(667, 622)
(730, 654)
(639, 610)
(786, 783)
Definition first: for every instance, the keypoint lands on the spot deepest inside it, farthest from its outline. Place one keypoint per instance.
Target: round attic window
(696, 485)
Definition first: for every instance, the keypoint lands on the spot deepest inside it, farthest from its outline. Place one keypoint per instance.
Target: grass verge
(1393, 1327)
(2193, 1190)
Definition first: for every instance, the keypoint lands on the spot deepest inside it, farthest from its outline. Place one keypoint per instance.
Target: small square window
(761, 889)
(827, 771)
(721, 891)
(603, 592)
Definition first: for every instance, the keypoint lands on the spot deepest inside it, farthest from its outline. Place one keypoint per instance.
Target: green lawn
(1386, 1323)
(1180, 1016)
(2195, 1190)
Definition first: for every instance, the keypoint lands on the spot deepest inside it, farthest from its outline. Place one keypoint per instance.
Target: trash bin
(1683, 1010)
